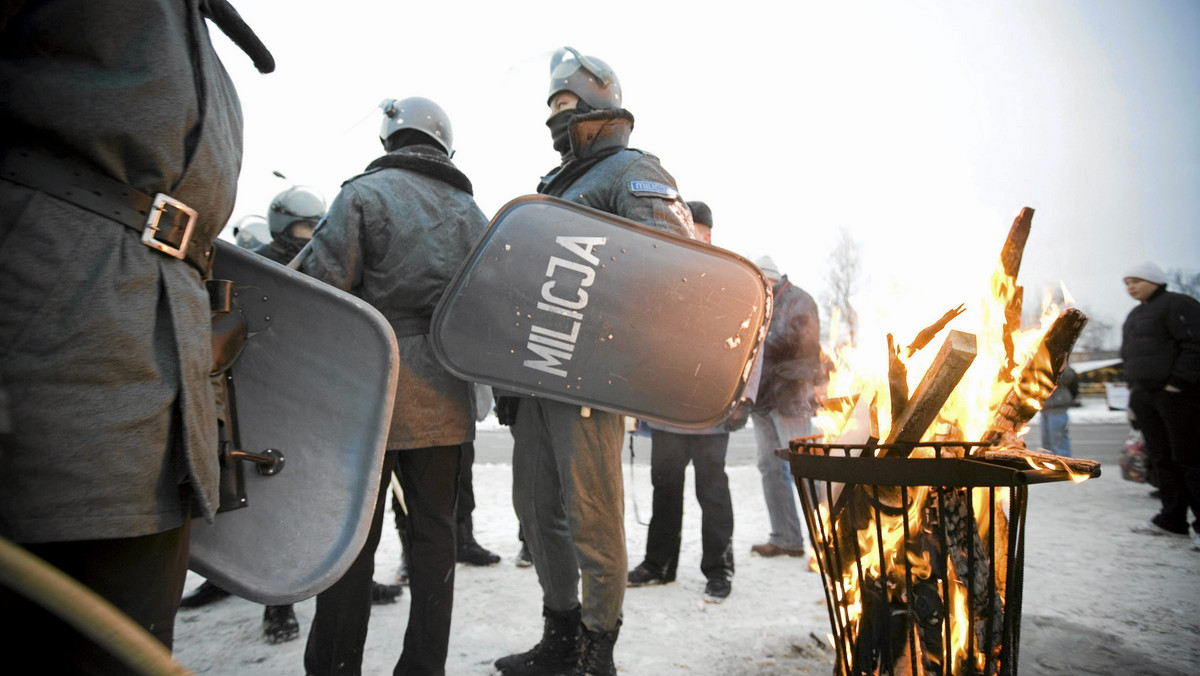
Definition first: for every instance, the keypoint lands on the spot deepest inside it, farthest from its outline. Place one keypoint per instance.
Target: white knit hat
(769, 268)
(1147, 271)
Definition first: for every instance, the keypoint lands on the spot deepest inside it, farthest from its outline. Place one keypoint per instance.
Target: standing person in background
(120, 167)
(784, 407)
(1160, 347)
(1055, 436)
(394, 236)
(671, 449)
(292, 217)
(567, 484)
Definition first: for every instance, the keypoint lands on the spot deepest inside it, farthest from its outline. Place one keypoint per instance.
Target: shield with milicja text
(562, 301)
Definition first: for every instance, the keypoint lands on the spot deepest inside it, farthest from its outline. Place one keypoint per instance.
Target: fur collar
(424, 160)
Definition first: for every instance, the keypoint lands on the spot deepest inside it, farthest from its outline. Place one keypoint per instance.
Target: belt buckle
(173, 210)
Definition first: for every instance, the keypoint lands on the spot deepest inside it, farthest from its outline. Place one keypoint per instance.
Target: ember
(918, 532)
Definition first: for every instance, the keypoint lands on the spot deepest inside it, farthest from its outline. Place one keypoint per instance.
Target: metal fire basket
(898, 608)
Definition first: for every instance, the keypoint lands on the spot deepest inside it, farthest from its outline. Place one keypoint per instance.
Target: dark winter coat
(602, 172)
(1160, 343)
(394, 236)
(791, 353)
(105, 343)
(1064, 394)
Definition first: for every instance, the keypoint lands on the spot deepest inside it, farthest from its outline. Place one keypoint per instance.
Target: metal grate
(892, 607)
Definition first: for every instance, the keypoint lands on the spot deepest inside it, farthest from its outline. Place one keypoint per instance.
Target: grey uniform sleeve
(646, 194)
(335, 256)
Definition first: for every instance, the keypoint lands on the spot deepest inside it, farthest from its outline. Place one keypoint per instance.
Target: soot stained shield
(570, 303)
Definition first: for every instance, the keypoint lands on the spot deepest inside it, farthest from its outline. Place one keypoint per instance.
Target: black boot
(279, 624)
(383, 594)
(596, 655)
(205, 594)
(470, 551)
(556, 654)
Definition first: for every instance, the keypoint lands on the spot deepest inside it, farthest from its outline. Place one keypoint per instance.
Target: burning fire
(1013, 370)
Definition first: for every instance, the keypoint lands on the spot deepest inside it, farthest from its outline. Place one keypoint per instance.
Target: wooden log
(952, 361)
(1037, 379)
(1083, 466)
(1010, 258)
(1014, 245)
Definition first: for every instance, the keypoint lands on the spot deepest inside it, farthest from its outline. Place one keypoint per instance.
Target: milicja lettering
(552, 337)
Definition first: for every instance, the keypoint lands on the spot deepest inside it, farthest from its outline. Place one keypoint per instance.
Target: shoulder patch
(653, 189)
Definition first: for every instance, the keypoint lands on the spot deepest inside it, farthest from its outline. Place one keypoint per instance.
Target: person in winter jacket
(394, 236)
(1160, 348)
(1055, 436)
(671, 449)
(567, 485)
(122, 142)
(784, 406)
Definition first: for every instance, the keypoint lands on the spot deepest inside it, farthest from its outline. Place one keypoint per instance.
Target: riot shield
(314, 382)
(563, 301)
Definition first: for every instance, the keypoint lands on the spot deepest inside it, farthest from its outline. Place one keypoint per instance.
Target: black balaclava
(560, 125)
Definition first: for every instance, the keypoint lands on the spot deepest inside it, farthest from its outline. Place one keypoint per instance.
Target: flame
(1010, 358)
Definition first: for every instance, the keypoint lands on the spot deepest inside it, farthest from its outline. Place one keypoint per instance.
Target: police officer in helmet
(573, 539)
(293, 216)
(394, 236)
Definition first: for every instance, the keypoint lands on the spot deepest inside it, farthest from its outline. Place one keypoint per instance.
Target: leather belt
(166, 224)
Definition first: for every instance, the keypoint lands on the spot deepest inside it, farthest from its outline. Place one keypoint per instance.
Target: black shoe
(557, 654)
(718, 587)
(645, 576)
(279, 624)
(524, 560)
(383, 594)
(205, 594)
(596, 653)
(474, 554)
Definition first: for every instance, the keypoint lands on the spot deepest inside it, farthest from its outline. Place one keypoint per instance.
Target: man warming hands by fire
(1160, 345)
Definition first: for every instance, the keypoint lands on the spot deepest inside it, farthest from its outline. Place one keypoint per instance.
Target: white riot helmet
(418, 113)
(587, 77)
(297, 203)
(251, 232)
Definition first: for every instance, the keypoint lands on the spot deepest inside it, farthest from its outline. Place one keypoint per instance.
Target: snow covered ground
(1098, 598)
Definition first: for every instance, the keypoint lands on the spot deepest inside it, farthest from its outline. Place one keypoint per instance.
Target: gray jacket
(602, 172)
(104, 343)
(394, 236)
(791, 353)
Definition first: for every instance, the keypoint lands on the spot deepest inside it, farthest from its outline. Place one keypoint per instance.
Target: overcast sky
(921, 128)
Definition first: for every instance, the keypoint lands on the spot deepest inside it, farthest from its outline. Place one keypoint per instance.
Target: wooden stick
(1010, 258)
(952, 361)
(1038, 378)
(1076, 465)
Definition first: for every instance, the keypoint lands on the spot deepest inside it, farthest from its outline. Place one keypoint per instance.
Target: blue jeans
(1055, 437)
(773, 431)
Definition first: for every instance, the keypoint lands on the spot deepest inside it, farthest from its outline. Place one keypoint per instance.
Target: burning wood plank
(952, 361)
(1037, 379)
(1010, 258)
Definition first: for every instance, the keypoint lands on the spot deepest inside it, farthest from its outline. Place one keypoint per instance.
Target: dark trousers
(669, 455)
(466, 496)
(429, 478)
(1170, 424)
(142, 576)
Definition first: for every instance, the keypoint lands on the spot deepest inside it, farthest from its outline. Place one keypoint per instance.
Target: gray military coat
(104, 343)
(394, 236)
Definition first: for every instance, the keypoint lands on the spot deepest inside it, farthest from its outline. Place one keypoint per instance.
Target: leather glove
(506, 409)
